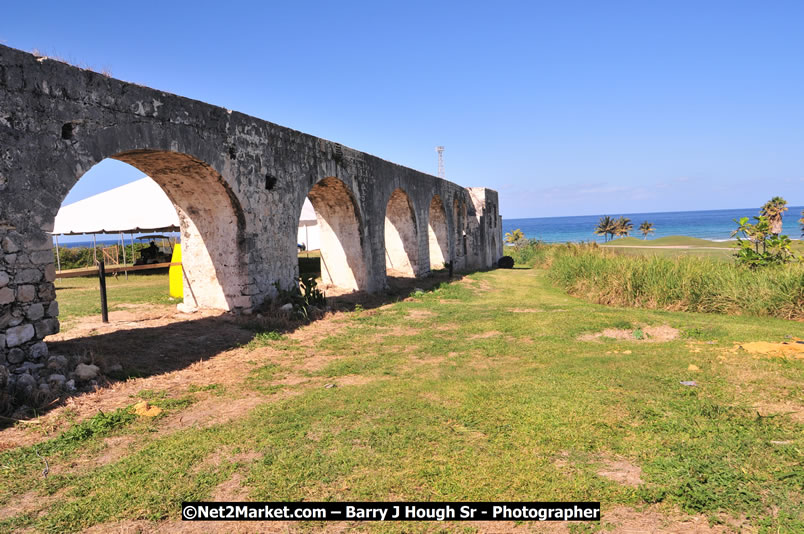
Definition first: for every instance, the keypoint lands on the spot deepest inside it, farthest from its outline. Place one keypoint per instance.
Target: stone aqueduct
(238, 184)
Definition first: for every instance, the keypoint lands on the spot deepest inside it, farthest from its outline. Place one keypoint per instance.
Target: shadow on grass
(153, 350)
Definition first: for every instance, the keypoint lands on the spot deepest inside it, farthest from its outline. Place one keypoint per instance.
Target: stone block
(6, 295)
(46, 327)
(42, 257)
(39, 350)
(50, 272)
(2, 341)
(47, 291)
(9, 245)
(15, 355)
(18, 335)
(53, 309)
(3, 279)
(28, 276)
(26, 293)
(35, 311)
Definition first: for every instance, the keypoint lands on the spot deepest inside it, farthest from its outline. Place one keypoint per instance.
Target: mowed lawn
(80, 297)
(477, 391)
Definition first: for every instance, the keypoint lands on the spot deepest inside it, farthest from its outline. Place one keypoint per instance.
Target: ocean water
(715, 225)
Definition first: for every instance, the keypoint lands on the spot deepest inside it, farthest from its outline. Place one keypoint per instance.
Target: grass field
(481, 390)
(80, 297)
(681, 246)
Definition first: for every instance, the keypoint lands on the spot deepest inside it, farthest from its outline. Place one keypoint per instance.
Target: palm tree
(646, 228)
(801, 221)
(514, 237)
(623, 226)
(605, 226)
(773, 210)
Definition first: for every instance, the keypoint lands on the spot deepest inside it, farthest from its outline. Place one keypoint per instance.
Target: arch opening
(210, 223)
(401, 236)
(437, 234)
(339, 235)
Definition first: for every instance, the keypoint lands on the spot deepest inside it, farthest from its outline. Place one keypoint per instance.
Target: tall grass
(685, 283)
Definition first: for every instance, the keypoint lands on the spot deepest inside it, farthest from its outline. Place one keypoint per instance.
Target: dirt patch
(486, 335)
(622, 471)
(26, 503)
(213, 411)
(525, 310)
(651, 519)
(648, 334)
(419, 314)
(792, 350)
(232, 490)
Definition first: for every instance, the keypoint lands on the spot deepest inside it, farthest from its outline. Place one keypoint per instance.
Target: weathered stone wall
(238, 184)
(437, 233)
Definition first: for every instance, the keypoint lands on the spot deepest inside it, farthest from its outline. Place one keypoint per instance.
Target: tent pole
(94, 249)
(123, 244)
(307, 239)
(58, 259)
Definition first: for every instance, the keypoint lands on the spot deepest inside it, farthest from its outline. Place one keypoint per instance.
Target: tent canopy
(140, 206)
(308, 217)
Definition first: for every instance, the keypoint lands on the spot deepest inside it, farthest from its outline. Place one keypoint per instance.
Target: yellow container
(175, 274)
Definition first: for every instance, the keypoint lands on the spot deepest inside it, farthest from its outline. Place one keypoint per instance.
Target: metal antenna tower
(441, 173)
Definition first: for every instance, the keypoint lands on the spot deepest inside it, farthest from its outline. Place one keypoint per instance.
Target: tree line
(610, 227)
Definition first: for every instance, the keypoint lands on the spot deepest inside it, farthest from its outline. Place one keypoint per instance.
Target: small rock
(85, 372)
(186, 308)
(26, 383)
(57, 361)
(286, 308)
(328, 386)
(56, 380)
(44, 389)
(69, 385)
(39, 350)
(28, 367)
(691, 383)
(116, 368)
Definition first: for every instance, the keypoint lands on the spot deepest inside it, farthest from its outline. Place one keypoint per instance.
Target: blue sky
(565, 108)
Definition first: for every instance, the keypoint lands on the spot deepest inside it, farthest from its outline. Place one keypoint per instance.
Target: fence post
(102, 279)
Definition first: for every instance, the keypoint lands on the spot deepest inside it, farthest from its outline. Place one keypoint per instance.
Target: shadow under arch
(401, 235)
(210, 215)
(437, 234)
(341, 234)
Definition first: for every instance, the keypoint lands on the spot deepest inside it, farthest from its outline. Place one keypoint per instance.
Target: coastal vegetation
(686, 282)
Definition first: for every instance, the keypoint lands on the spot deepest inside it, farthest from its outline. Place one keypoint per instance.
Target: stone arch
(341, 234)
(401, 235)
(438, 236)
(211, 223)
(188, 169)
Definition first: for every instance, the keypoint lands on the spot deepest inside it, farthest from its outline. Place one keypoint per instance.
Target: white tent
(136, 207)
(308, 227)
(142, 206)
